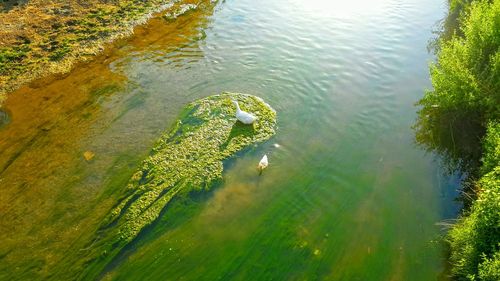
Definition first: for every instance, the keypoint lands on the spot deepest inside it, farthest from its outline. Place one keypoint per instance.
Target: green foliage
(489, 270)
(450, 25)
(475, 240)
(491, 144)
(466, 77)
(466, 88)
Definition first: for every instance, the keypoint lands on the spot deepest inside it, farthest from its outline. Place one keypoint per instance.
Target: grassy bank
(38, 37)
(475, 239)
(460, 118)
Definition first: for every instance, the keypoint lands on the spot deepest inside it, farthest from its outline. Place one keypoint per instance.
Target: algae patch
(190, 156)
(187, 158)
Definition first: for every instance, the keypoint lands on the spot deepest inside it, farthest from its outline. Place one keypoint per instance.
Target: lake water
(348, 195)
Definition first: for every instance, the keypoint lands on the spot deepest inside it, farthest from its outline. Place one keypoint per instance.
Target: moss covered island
(188, 158)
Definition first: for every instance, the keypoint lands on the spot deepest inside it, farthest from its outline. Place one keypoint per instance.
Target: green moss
(60, 51)
(11, 58)
(189, 157)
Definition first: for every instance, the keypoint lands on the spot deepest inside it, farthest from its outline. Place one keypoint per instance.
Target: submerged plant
(187, 158)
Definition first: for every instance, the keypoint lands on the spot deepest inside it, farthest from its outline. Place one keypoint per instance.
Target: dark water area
(4, 118)
(348, 194)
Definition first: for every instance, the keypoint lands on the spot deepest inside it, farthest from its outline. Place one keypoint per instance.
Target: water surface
(347, 195)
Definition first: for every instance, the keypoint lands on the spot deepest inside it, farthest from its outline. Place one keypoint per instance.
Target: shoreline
(35, 49)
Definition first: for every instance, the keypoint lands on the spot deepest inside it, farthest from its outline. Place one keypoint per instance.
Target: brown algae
(189, 157)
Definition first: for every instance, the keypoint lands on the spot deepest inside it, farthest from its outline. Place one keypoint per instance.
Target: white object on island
(243, 116)
(263, 164)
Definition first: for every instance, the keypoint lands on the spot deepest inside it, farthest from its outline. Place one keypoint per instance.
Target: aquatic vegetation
(189, 157)
(46, 249)
(59, 33)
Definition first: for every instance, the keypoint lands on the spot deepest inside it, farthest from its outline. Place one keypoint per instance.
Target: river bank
(39, 38)
(460, 119)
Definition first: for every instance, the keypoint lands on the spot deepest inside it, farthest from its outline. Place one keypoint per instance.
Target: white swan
(263, 164)
(243, 116)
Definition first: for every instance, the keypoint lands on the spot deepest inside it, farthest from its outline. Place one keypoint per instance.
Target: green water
(348, 195)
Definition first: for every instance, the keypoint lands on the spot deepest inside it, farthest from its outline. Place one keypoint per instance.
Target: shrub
(491, 144)
(466, 77)
(489, 270)
(475, 240)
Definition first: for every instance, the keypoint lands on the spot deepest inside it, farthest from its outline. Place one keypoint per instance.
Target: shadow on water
(447, 27)
(456, 136)
(239, 130)
(4, 118)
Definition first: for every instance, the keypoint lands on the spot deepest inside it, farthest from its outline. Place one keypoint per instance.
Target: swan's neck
(237, 106)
